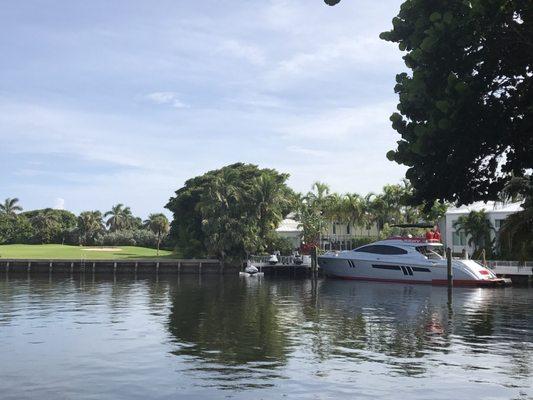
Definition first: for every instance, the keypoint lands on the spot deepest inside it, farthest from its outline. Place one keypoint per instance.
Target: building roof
(489, 207)
(289, 225)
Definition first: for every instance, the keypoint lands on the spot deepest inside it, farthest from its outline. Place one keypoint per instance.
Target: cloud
(252, 54)
(287, 84)
(59, 204)
(307, 151)
(369, 123)
(166, 98)
(327, 59)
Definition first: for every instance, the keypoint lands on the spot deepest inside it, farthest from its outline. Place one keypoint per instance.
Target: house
(336, 234)
(291, 229)
(496, 214)
(340, 235)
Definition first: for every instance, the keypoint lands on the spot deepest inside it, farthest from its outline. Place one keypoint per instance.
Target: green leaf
(443, 105)
(436, 16)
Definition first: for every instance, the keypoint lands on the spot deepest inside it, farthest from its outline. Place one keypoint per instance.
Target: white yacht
(410, 260)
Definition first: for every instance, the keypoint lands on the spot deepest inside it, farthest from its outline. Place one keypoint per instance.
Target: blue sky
(104, 102)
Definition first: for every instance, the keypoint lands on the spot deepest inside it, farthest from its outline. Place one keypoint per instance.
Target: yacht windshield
(431, 252)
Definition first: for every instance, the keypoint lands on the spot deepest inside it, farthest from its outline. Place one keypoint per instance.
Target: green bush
(141, 237)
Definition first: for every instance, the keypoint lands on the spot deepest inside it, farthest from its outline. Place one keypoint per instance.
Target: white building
(496, 214)
(290, 229)
(339, 233)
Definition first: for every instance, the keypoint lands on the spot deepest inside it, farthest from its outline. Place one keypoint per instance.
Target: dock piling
(449, 266)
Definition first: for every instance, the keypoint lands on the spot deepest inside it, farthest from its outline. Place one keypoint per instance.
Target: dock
(131, 266)
(521, 273)
(285, 265)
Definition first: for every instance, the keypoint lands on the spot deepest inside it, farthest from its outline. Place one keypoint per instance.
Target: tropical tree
(229, 212)
(354, 209)
(90, 225)
(271, 201)
(120, 218)
(10, 206)
(517, 228)
(159, 225)
(51, 225)
(15, 229)
(333, 209)
(313, 212)
(47, 226)
(466, 105)
(477, 228)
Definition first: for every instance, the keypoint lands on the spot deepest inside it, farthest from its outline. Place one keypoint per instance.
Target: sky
(122, 102)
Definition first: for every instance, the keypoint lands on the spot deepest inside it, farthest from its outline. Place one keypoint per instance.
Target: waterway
(194, 337)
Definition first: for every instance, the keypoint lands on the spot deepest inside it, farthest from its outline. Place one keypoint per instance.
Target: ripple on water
(208, 338)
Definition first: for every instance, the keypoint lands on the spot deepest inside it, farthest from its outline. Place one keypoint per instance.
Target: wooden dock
(131, 267)
(285, 266)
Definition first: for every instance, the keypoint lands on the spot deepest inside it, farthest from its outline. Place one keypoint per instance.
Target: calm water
(76, 338)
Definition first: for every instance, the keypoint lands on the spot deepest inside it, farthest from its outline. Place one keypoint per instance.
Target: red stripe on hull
(456, 282)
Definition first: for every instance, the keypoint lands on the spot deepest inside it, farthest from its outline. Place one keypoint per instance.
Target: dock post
(157, 267)
(449, 266)
(94, 266)
(115, 267)
(314, 262)
(71, 267)
(29, 266)
(179, 267)
(7, 266)
(50, 266)
(136, 265)
(200, 268)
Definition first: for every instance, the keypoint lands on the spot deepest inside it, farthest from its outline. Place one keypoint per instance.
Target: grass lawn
(58, 252)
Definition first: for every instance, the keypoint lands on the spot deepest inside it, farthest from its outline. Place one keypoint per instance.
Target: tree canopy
(229, 212)
(466, 110)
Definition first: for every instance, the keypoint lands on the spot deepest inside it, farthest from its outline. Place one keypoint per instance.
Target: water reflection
(278, 337)
(230, 323)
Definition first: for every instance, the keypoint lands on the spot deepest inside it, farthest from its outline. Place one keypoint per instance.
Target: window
(431, 252)
(348, 229)
(459, 238)
(498, 223)
(334, 229)
(381, 249)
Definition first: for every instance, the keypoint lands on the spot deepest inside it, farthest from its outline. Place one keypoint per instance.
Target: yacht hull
(432, 273)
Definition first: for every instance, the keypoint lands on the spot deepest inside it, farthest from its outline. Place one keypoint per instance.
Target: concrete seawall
(141, 266)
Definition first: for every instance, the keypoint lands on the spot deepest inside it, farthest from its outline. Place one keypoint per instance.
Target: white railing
(503, 267)
(282, 260)
(504, 263)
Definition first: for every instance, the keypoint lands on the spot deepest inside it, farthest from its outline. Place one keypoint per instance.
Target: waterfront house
(496, 214)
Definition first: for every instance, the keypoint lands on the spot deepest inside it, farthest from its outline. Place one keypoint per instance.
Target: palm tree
(120, 218)
(10, 206)
(334, 210)
(89, 225)
(322, 192)
(376, 211)
(270, 201)
(518, 227)
(354, 209)
(159, 225)
(477, 228)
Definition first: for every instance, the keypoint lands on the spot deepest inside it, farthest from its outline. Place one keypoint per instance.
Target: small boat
(251, 270)
(298, 259)
(273, 259)
(406, 260)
